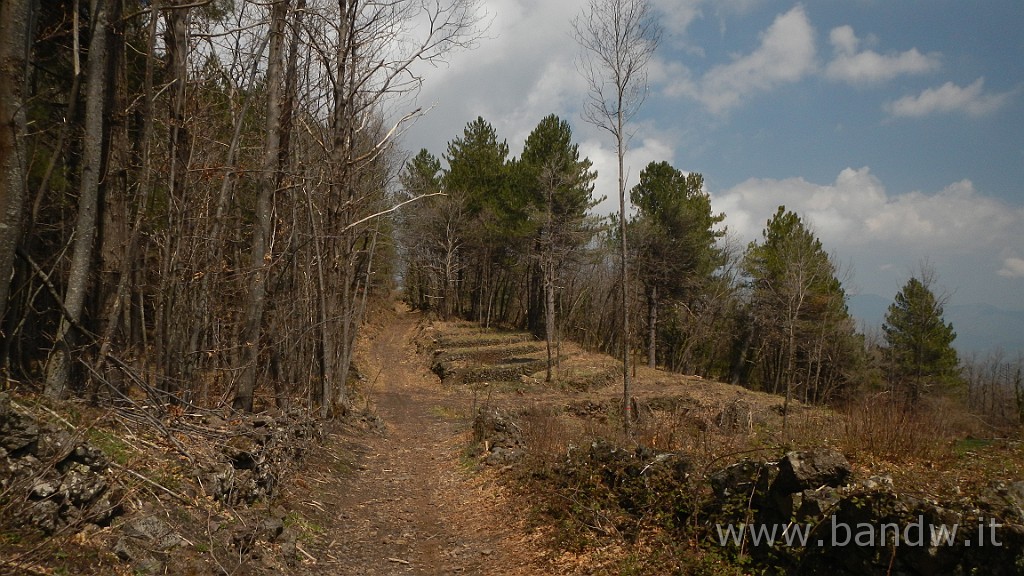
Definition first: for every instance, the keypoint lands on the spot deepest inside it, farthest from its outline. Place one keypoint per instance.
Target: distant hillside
(980, 328)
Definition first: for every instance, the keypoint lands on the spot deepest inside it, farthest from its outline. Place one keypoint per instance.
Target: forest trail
(405, 502)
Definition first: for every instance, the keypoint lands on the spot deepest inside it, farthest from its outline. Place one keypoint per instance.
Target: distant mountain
(980, 328)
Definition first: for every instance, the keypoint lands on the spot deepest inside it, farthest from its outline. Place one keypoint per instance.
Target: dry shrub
(546, 433)
(895, 430)
(705, 433)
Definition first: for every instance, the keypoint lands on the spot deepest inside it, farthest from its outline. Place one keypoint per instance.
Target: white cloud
(521, 72)
(602, 154)
(834, 210)
(785, 55)
(966, 233)
(868, 67)
(1012, 268)
(971, 100)
(675, 16)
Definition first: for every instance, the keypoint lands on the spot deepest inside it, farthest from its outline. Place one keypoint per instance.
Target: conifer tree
(675, 238)
(559, 186)
(802, 334)
(919, 341)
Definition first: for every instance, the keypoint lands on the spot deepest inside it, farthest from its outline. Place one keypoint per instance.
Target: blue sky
(896, 128)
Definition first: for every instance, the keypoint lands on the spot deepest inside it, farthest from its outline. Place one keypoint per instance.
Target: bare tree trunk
(343, 192)
(627, 404)
(178, 319)
(652, 327)
(177, 56)
(116, 239)
(58, 363)
(549, 312)
(324, 347)
(618, 37)
(260, 255)
(15, 25)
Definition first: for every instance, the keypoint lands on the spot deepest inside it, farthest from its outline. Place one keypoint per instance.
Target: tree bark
(549, 315)
(652, 326)
(260, 254)
(116, 239)
(627, 404)
(15, 26)
(58, 363)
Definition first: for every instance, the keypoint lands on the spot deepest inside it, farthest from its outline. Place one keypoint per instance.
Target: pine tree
(429, 236)
(559, 186)
(802, 336)
(676, 239)
(495, 217)
(919, 341)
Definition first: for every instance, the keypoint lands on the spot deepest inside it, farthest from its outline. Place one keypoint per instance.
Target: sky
(895, 129)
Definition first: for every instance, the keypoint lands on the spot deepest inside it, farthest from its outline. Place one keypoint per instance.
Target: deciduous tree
(618, 38)
(15, 32)
(59, 361)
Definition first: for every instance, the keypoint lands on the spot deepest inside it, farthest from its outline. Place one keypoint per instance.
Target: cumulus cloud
(786, 54)
(971, 100)
(885, 235)
(675, 16)
(521, 72)
(860, 67)
(856, 209)
(836, 210)
(1012, 268)
(603, 155)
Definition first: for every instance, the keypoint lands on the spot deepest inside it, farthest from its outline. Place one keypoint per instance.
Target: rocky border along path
(408, 504)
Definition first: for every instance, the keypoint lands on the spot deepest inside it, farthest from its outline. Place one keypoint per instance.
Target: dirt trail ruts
(409, 505)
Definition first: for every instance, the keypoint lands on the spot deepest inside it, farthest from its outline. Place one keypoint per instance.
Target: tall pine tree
(802, 337)
(675, 238)
(919, 341)
(559, 186)
(495, 216)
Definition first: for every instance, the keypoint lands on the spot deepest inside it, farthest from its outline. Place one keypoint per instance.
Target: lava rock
(810, 470)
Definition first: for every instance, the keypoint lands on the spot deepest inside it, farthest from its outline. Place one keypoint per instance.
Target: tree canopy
(675, 239)
(919, 341)
(801, 329)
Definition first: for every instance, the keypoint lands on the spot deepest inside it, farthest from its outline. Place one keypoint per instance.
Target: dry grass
(714, 422)
(936, 449)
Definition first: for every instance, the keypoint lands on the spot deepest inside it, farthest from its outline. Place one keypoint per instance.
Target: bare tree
(58, 362)
(368, 52)
(267, 185)
(236, 236)
(15, 23)
(618, 38)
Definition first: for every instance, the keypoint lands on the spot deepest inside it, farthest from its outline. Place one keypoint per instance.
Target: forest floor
(454, 459)
(406, 500)
(429, 496)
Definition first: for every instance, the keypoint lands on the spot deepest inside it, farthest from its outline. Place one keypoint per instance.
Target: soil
(401, 486)
(406, 500)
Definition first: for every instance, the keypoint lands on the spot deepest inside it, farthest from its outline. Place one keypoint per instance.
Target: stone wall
(51, 478)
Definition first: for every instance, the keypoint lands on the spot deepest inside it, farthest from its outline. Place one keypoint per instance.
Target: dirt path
(408, 503)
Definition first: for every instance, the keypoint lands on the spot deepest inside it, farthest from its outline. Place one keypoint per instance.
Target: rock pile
(866, 527)
(253, 454)
(500, 437)
(53, 479)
